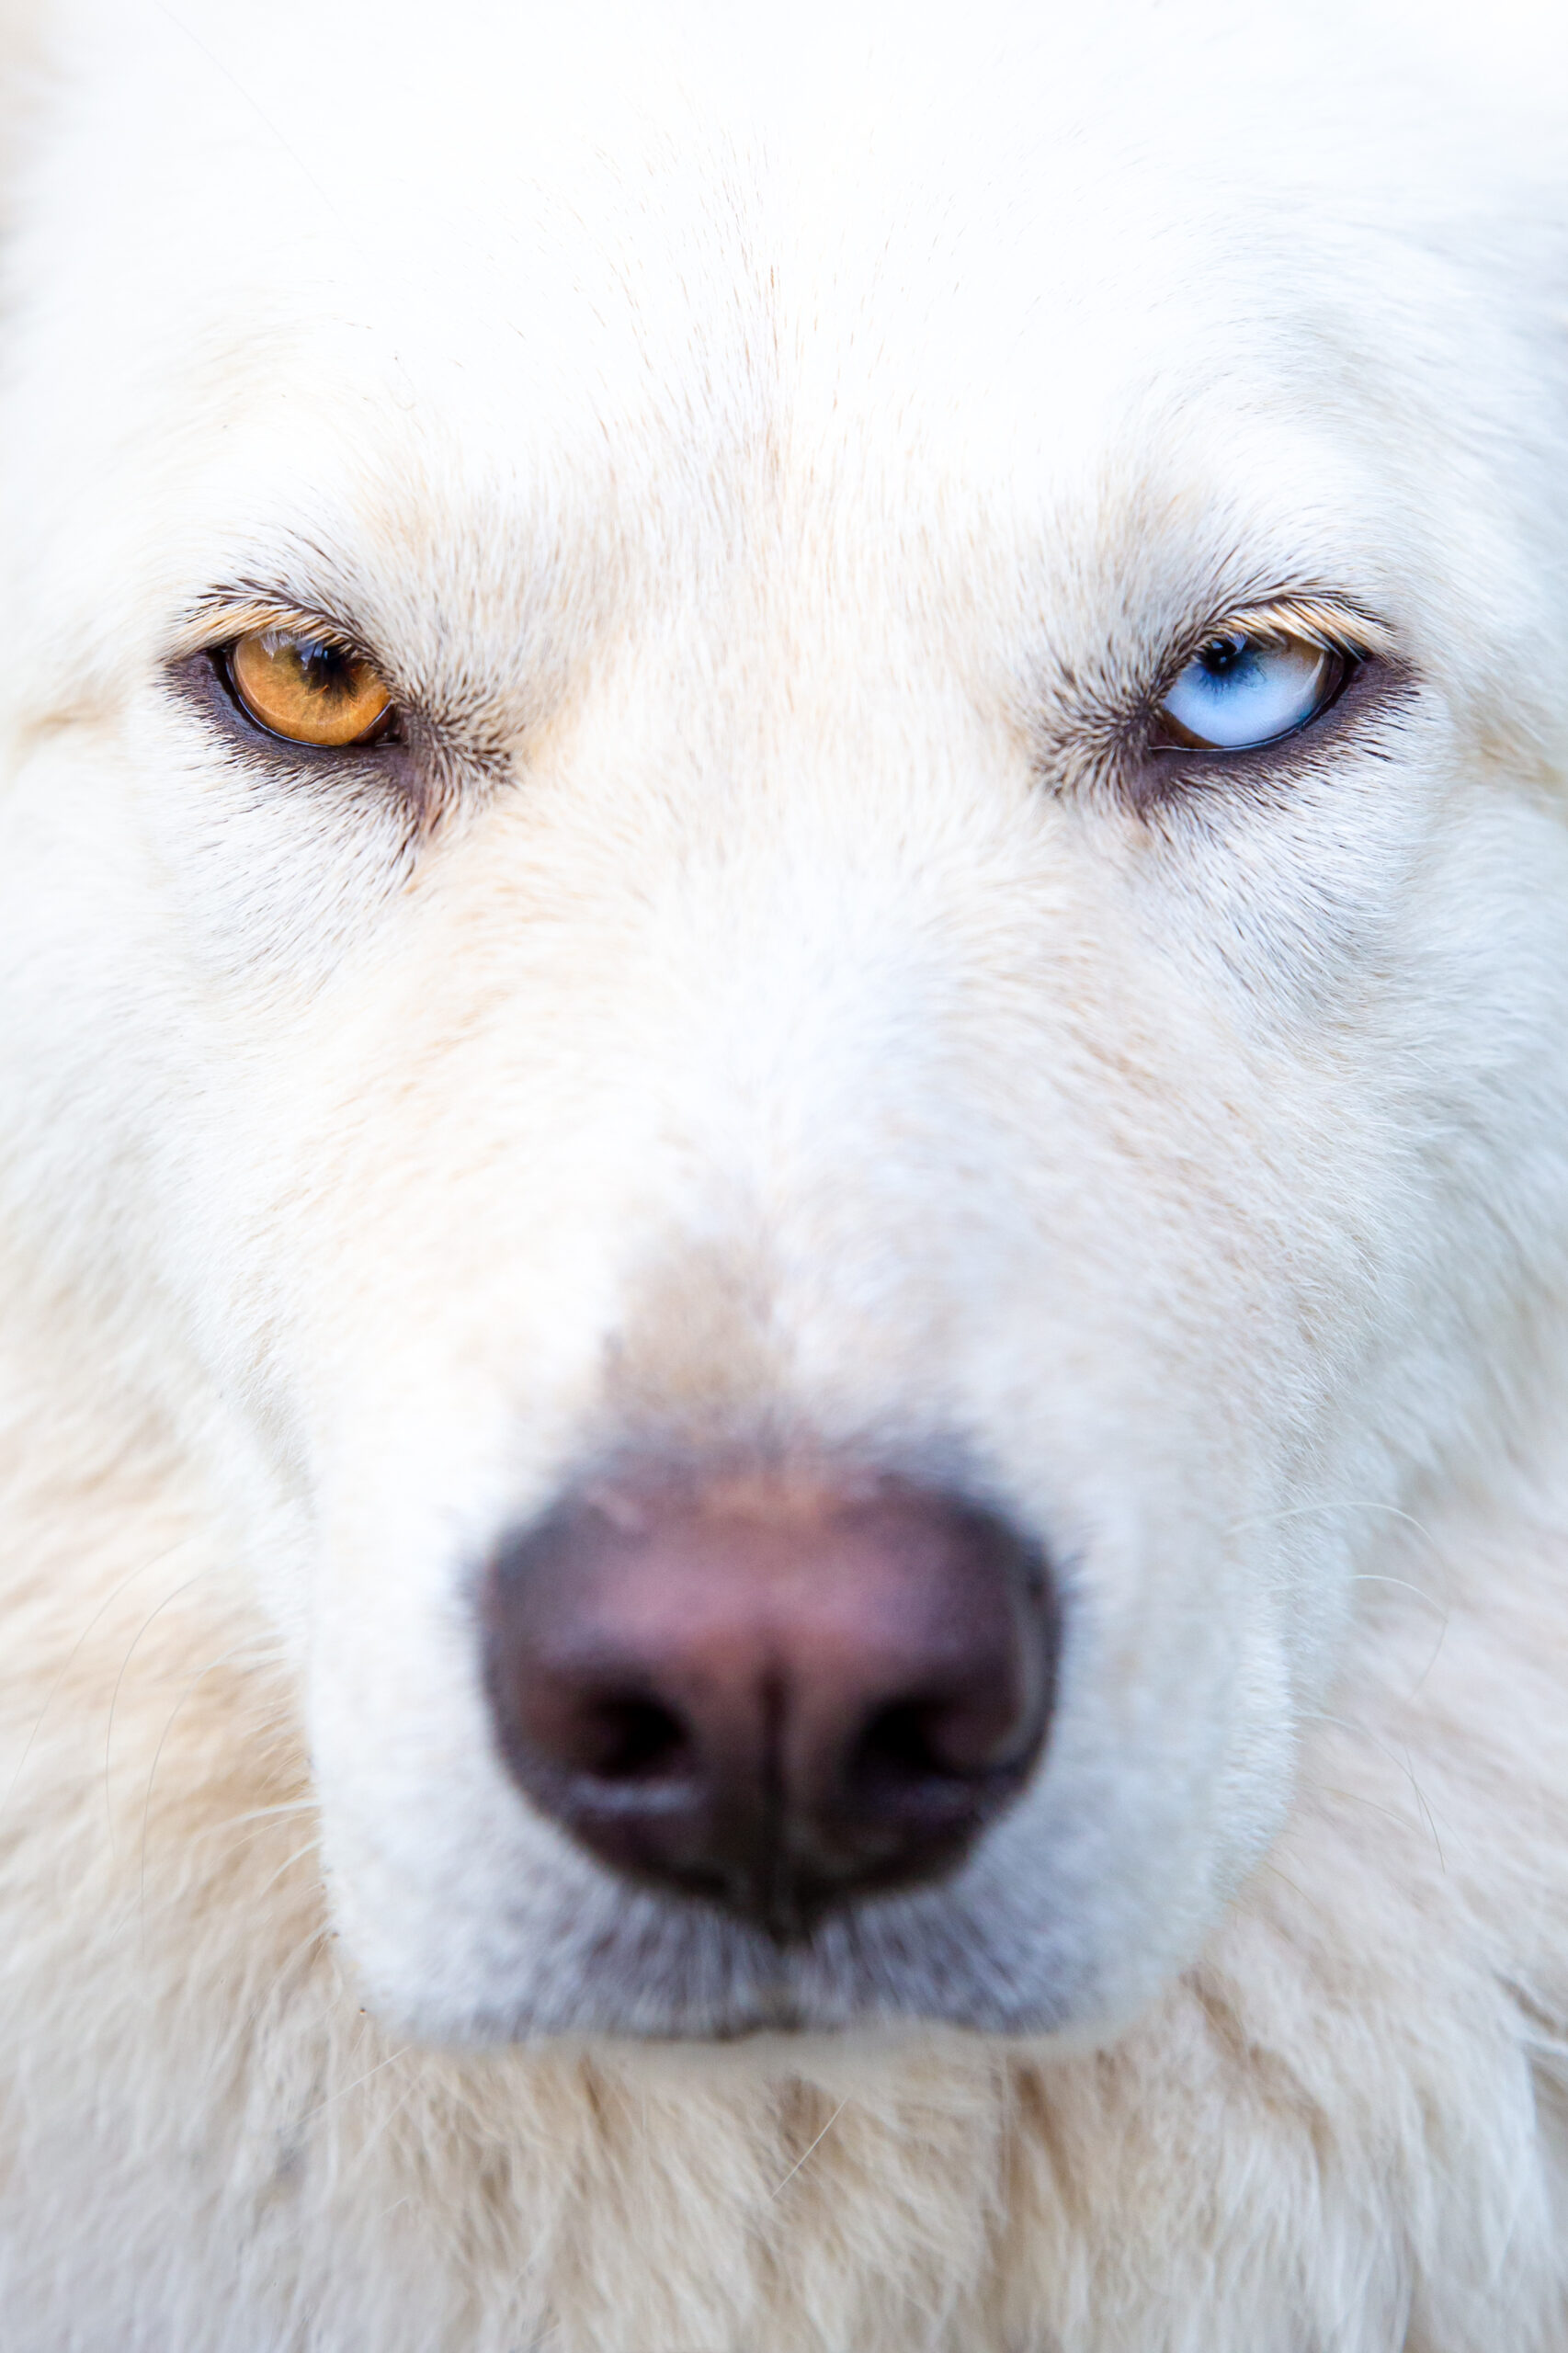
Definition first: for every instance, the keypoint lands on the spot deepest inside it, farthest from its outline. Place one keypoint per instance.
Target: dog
(785, 1181)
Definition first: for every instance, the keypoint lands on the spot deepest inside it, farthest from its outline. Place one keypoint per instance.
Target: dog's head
(786, 934)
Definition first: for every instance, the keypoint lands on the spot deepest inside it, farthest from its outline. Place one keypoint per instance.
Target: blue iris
(1239, 691)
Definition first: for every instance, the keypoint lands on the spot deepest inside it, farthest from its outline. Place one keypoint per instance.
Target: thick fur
(768, 1006)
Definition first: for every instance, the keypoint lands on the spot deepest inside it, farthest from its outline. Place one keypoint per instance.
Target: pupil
(1223, 655)
(323, 668)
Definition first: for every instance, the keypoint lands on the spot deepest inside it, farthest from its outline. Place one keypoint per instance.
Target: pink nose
(774, 1695)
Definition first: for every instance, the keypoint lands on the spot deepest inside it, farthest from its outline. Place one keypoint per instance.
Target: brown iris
(308, 690)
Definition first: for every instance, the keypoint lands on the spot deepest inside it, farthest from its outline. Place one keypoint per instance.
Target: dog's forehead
(596, 214)
(491, 283)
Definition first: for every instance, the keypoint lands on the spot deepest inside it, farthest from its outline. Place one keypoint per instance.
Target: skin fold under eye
(1240, 690)
(306, 690)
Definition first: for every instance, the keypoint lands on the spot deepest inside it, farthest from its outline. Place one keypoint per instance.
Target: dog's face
(781, 879)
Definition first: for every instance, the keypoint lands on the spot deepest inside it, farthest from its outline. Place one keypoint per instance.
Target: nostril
(901, 1744)
(632, 1738)
(923, 1752)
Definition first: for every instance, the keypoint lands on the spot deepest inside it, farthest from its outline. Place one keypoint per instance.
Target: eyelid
(221, 622)
(1333, 623)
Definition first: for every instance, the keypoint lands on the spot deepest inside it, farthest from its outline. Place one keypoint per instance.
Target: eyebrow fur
(221, 619)
(1337, 626)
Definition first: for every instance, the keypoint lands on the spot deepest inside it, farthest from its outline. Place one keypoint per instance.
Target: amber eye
(308, 690)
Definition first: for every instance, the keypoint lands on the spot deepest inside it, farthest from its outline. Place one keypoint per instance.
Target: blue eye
(1239, 691)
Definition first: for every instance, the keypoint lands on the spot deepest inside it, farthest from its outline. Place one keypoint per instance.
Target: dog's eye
(307, 689)
(1239, 691)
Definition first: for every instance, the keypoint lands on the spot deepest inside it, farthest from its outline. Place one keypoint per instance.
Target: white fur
(767, 452)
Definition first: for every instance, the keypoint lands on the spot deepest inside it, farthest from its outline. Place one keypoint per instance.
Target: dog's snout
(778, 1696)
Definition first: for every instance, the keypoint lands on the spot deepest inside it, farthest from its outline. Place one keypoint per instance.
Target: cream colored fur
(766, 449)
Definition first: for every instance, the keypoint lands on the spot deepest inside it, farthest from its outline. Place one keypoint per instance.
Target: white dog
(785, 928)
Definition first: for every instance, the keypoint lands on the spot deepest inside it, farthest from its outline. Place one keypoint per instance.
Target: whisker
(1404, 1765)
(258, 1814)
(1270, 1866)
(383, 2125)
(308, 1943)
(1372, 1576)
(118, 1683)
(157, 1562)
(191, 1685)
(1342, 1503)
(359, 2081)
(811, 2151)
(310, 1846)
(1402, 1584)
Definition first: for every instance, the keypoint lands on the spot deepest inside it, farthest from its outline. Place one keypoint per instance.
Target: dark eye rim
(426, 766)
(1167, 735)
(388, 727)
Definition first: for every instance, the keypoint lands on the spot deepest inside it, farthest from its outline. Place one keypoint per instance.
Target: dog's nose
(775, 1695)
